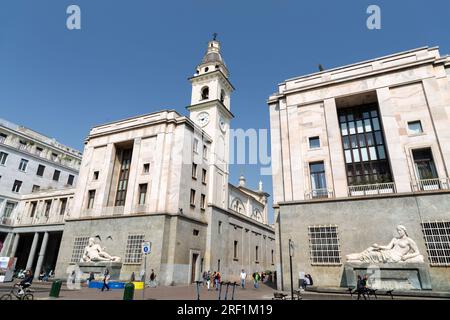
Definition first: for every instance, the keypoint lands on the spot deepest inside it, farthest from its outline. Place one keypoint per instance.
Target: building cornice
(211, 103)
(206, 75)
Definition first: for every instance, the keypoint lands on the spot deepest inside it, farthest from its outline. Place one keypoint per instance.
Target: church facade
(164, 178)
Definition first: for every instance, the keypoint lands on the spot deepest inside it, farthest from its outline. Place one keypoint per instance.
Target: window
(238, 206)
(56, 175)
(363, 143)
(195, 145)
(146, 168)
(54, 156)
(142, 193)
(78, 248)
(48, 205)
(40, 170)
(22, 145)
(324, 245)
(202, 202)
(194, 171)
(235, 250)
(9, 207)
(63, 205)
(39, 151)
(96, 174)
(133, 252)
(205, 152)
(256, 254)
(205, 92)
(193, 197)
(125, 161)
(415, 127)
(437, 241)
(195, 232)
(3, 137)
(91, 198)
(70, 180)
(35, 188)
(3, 157)
(424, 164)
(204, 176)
(222, 96)
(318, 180)
(219, 227)
(314, 142)
(16, 186)
(23, 165)
(272, 256)
(33, 206)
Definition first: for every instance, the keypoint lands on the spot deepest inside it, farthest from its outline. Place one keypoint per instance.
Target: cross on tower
(214, 36)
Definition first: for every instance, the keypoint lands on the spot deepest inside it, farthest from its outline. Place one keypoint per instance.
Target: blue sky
(134, 57)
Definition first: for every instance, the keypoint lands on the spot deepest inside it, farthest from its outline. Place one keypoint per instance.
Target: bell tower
(210, 110)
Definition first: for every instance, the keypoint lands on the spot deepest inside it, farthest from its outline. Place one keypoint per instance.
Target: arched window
(222, 95)
(257, 215)
(237, 206)
(205, 93)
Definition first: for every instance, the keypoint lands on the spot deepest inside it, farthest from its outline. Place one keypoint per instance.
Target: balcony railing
(372, 189)
(319, 194)
(7, 221)
(431, 184)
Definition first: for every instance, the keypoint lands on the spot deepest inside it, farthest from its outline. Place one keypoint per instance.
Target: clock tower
(210, 110)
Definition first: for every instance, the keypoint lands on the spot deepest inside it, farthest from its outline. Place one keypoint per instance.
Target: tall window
(133, 252)
(56, 175)
(256, 253)
(195, 146)
(40, 170)
(16, 186)
(424, 163)
(48, 205)
(202, 201)
(91, 198)
(192, 200)
(9, 207)
(205, 93)
(3, 157)
(125, 161)
(63, 205)
(235, 250)
(204, 172)
(324, 245)
(33, 206)
(205, 152)
(318, 181)
(437, 241)
(194, 171)
(142, 193)
(23, 165)
(364, 146)
(70, 179)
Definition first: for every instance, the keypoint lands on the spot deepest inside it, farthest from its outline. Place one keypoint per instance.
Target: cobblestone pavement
(187, 292)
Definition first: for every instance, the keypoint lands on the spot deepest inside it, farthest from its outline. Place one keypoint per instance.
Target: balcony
(371, 189)
(319, 194)
(7, 221)
(431, 184)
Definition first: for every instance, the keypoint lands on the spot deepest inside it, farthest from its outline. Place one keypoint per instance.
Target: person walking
(91, 278)
(243, 276)
(213, 279)
(106, 278)
(217, 280)
(153, 279)
(208, 280)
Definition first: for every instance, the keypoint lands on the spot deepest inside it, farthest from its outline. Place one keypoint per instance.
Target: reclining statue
(401, 249)
(94, 253)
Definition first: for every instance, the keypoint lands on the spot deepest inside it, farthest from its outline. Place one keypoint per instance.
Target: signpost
(291, 254)
(146, 249)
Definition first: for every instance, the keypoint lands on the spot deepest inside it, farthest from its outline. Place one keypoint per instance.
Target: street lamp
(291, 254)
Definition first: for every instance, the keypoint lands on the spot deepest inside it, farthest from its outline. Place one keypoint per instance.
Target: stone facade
(331, 129)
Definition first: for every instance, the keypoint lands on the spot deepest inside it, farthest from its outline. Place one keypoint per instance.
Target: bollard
(56, 287)
(226, 291)
(128, 292)
(234, 287)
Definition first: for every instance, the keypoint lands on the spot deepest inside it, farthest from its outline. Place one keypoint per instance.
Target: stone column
(15, 244)
(6, 245)
(37, 271)
(32, 251)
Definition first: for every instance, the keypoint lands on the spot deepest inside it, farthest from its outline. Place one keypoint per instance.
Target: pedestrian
(255, 277)
(361, 287)
(208, 280)
(133, 277)
(204, 278)
(106, 278)
(217, 280)
(213, 279)
(91, 278)
(153, 279)
(243, 276)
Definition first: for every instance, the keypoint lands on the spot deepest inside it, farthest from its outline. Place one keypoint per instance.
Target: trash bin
(56, 287)
(128, 292)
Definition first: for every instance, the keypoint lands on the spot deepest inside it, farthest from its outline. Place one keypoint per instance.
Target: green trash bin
(56, 287)
(128, 292)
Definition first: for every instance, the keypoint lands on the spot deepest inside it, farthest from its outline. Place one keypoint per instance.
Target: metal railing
(431, 184)
(372, 189)
(319, 194)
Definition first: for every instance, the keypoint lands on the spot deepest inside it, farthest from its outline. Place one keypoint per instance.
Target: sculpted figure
(400, 249)
(94, 253)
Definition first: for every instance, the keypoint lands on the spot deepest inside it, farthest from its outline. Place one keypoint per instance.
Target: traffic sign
(146, 247)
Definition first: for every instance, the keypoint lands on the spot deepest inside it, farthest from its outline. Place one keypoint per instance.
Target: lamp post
(291, 254)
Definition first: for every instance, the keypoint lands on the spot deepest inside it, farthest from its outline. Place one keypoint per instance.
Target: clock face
(203, 118)
(222, 124)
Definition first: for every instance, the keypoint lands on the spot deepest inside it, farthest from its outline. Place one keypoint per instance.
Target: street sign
(146, 247)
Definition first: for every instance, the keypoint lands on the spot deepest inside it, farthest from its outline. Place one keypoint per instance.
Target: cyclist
(26, 282)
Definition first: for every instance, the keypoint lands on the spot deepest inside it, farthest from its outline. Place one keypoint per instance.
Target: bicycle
(15, 291)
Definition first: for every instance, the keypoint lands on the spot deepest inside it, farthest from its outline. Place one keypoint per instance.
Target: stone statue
(94, 253)
(401, 249)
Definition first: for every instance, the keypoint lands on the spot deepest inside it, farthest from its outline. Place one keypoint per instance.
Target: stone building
(358, 150)
(163, 177)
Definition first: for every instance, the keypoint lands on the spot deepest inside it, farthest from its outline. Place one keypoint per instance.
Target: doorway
(194, 267)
